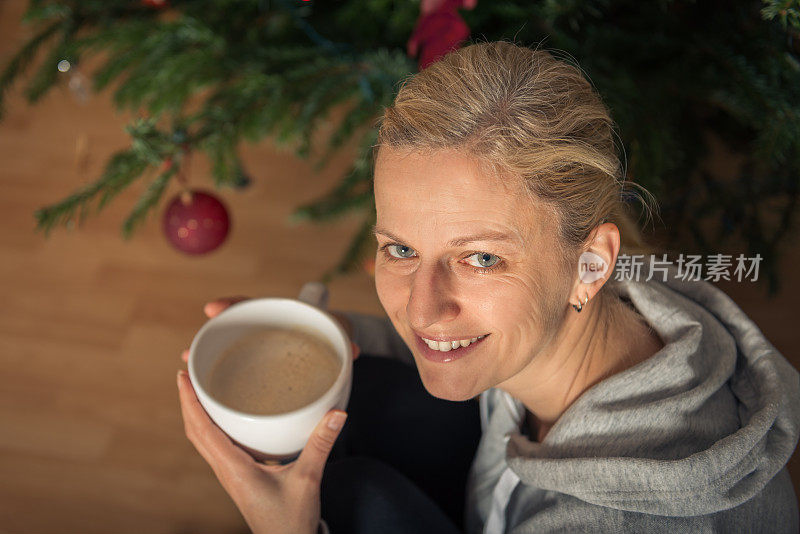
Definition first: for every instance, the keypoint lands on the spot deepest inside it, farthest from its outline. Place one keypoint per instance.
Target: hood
(701, 426)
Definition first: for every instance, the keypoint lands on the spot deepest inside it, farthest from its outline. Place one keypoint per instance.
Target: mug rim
(228, 411)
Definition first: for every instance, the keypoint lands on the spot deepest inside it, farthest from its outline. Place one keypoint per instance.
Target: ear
(595, 265)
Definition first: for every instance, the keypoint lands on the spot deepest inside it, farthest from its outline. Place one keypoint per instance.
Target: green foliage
(674, 73)
(787, 11)
(147, 201)
(125, 167)
(359, 248)
(22, 58)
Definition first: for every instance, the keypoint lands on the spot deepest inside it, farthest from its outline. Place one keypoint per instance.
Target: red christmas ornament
(155, 4)
(439, 30)
(196, 222)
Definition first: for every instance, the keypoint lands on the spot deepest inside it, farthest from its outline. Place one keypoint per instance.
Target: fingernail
(336, 421)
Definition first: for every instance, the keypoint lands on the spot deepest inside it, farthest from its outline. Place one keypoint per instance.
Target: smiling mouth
(449, 354)
(445, 346)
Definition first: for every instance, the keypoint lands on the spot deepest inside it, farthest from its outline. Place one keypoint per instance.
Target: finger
(209, 440)
(429, 6)
(411, 47)
(185, 356)
(215, 307)
(356, 350)
(311, 462)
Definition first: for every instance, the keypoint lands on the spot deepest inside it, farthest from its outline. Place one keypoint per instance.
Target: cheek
(513, 307)
(391, 289)
(525, 308)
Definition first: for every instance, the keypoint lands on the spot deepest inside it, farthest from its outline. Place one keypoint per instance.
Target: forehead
(446, 191)
(438, 169)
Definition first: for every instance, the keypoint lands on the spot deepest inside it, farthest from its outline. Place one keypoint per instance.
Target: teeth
(445, 346)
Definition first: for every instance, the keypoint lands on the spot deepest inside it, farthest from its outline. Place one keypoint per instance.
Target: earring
(578, 307)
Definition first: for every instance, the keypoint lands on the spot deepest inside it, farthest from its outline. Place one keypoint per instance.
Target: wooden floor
(91, 326)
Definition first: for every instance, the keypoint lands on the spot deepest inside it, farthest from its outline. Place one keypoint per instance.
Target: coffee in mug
(280, 435)
(273, 370)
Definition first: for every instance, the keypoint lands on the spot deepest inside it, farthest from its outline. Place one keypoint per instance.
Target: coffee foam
(273, 370)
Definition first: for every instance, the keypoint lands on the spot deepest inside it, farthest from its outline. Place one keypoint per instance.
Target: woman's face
(507, 284)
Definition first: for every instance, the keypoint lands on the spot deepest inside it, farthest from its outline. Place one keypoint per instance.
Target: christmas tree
(208, 76)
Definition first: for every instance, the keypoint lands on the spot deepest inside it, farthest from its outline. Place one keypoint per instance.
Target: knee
(358, 490)
(361, 494)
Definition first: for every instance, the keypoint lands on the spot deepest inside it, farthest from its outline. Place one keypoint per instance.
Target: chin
(444, 385)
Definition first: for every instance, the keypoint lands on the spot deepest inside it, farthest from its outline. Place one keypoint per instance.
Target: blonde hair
(522, 112)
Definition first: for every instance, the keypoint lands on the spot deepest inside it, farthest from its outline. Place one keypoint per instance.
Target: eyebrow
(459, 241)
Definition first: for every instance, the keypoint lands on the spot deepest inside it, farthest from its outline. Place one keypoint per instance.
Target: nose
(431, 299)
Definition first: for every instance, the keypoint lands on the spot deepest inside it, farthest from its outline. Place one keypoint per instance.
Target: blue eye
(400, 247)
(487, 262)
(485, 259)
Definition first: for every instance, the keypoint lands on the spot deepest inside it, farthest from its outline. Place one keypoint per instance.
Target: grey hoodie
(693, 439)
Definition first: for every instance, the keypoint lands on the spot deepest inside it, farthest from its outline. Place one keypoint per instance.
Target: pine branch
(328, 92)
(149, 143)
(353, 192)
(787, 11)
(38, 11)
(332, 207)
(47, 75)
(325, 44)
(355, 253)
(22, 59)
(226, 165)
(147, 201)
(123, 44)
(123, 168)
(355, 118)
(173, 62)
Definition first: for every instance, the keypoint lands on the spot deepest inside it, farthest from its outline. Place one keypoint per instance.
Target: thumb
(311, 462)
(215, 307)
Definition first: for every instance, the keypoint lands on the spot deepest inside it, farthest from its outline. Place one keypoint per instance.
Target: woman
(633, 405)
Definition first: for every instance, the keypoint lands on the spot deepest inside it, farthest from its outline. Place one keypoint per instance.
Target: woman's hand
(279, 499)
(272, 498)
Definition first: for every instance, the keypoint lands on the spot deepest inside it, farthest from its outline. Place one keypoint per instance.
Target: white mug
(275, 438)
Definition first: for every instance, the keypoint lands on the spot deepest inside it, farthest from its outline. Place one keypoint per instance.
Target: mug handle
(314, 293)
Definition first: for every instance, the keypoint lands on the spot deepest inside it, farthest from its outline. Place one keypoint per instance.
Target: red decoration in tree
(155, 4)
(439, 30)
(196, 222)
